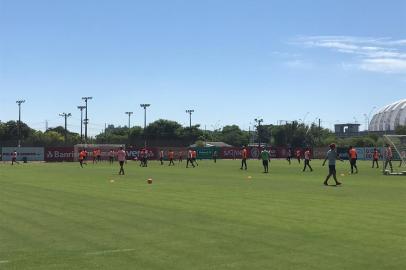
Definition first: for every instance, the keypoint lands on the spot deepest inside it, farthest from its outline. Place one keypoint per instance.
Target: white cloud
(337, 45)
(372, 54)
(292, 60)
(386, 65)
(400, 42)
(298, 64)
(285, 54)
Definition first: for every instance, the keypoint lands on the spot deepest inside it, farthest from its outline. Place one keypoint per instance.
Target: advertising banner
(275, 153)
(59, 154)
(320, 152)
(343, 152)
(205, 152)
(369, 153)
(177, 151)
(253, 152)
(230, 153)
(281, 152)
(31, 153)
(133, 153)
(360, 153)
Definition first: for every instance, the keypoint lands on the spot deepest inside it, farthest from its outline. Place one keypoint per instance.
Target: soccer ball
(149, 181)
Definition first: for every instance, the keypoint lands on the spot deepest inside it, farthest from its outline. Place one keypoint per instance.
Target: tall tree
(233, 135)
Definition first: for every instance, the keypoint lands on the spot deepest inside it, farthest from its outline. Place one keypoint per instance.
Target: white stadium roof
(389, 117)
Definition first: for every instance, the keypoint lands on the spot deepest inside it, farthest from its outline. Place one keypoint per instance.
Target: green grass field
(59, 216)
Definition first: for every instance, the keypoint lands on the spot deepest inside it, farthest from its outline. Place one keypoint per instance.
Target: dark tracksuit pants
(307, 164)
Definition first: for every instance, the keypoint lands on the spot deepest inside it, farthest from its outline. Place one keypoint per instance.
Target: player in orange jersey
(244, 156)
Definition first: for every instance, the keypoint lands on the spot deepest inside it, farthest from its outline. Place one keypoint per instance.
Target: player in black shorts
(289, 157)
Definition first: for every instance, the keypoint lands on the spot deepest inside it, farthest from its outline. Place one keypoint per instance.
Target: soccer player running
(352, 154)
(85, 156)
(190, 158)
(307, 155)
(180, 157)
(244, 155)
(144, 158)
(161, 156)
(171, 155)
(111, 156)
(194, 157)
(388, 158)
(298, 155)
(375, 158)
(266, 158)
(82, 157)
(99, 155)
(332, 157)
(14, 158)
(121, 156)
(289, 157)
(141, 157)
(94, 156)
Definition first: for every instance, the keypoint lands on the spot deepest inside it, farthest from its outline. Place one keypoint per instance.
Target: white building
(389, 117)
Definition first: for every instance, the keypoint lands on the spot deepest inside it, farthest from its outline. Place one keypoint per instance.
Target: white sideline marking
(110, 251)
(4, 262)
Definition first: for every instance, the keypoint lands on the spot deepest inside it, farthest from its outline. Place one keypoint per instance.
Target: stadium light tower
(86, 121)
(81, 108)
(190, 118)
(370, 114)
(304, 118)
(145, 106)
(259, 121)
(366, 121)
(19, 102)
(129, 119)
(66, 115)
(190, 122)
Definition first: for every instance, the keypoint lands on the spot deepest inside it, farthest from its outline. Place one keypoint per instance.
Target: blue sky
(229, 60)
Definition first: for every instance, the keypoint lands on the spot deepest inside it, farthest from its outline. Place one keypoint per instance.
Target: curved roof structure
(389, 117)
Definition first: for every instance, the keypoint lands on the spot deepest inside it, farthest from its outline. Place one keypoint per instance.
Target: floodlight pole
(129, 119)
(304, 118)
(81, 108)
(66, 115)
(259, 121)
(319, 133)
(190, 117)
(190, 123)
(369, 115)
(145, 106)
(129, 125)
(86, 121)
(249, 135)
(19, 102)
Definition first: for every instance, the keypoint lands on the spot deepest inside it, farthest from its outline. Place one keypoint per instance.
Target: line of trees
(170, 133)
(32, 137)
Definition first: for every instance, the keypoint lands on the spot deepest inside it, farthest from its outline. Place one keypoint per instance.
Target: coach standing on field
(266, 158)
(332, 156)
(121, 156)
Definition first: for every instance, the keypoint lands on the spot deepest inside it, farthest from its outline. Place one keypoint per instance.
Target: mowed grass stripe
(189, 219)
